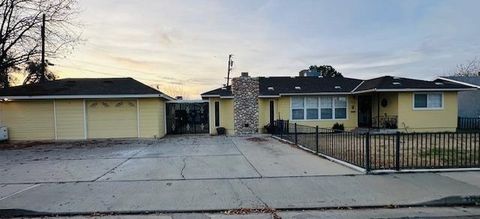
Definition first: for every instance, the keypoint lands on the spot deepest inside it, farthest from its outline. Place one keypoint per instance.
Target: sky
(182, 47)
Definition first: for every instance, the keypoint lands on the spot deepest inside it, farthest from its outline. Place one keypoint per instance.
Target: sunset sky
(182, 46)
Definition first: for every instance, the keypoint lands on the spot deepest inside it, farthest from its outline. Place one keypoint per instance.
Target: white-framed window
(432, 100)
(298, 112)
(311, 107)
(318, 107)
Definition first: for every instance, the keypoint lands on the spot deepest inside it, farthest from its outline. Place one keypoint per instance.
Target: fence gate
(186, 117)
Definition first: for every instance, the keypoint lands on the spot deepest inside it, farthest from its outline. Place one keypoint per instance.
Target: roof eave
(459, 82)
(413, 90)
(54, 97)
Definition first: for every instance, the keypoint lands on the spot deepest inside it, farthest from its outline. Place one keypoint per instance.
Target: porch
(378, 110)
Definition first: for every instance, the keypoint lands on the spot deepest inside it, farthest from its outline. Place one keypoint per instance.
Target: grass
(445, 150)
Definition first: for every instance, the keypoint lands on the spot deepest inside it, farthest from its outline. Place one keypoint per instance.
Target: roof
(278, 86)
(465, 80)
(223, 92)
(390, 83)
(82, 87)
(305, 85)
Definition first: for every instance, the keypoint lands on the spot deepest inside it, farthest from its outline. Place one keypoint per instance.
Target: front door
(272, 111)
(365, 111)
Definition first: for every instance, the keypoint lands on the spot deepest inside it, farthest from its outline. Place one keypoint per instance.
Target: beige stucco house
(388, 102)
(94, 108)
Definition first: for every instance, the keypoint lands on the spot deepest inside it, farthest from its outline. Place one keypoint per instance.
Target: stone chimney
(245, 91)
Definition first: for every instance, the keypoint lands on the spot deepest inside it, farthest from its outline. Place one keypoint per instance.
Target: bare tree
(174, 90)
(472, 68)
(20, 27)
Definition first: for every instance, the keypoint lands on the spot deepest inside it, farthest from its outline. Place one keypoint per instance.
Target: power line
(110, 74)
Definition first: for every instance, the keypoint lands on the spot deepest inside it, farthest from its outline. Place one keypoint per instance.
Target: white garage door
(112, 119)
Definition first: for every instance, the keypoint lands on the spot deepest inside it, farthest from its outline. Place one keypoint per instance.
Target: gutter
(459, 82)
(55, 97)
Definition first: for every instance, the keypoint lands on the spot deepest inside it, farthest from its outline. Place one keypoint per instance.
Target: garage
(85, 108)
(112, 118)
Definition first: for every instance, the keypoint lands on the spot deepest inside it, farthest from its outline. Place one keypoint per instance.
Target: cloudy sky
(182, 46)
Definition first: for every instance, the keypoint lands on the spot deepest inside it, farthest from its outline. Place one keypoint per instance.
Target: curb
(450, 201)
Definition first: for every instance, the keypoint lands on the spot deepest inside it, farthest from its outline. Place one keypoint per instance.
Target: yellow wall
(28, 120)
(392, 104)
(427, 120)
(226, 115)
(264, 112)
(349, 123)
(152, 118)
(70, 119)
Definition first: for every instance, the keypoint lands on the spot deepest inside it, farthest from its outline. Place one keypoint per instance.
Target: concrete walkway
(199, 173)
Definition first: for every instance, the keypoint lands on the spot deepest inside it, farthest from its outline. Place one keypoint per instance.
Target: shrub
(338, 127)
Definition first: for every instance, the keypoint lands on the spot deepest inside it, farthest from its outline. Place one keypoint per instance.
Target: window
(326, 109)
(314, 108)
(217, 114)
(297, 108)
(340, 107)
(428, 101)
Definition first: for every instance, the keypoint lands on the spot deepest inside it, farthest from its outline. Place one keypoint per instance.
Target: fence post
(316, 138)
(296, 137)
(397, 152)
(367, 152)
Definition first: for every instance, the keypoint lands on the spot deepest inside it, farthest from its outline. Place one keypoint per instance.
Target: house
(83, 109)
(468, 101)
(386, 102)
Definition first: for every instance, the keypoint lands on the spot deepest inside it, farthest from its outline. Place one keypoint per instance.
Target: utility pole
(230, 65)
(42, 77)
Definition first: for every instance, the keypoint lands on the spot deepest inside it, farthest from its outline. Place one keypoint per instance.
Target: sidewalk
(283, 193)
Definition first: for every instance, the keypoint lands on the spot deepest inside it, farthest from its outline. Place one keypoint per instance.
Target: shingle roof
(82, 87)
(395, 83)
(473, 80)
(220, 92)
(293, 85)
(274, 86)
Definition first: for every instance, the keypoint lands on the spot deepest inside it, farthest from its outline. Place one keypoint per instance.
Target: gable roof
(278, 86)
(82, 88)
(473, 81)
(390, 83)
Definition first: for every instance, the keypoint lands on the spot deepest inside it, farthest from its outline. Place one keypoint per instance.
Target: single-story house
(125, 108)
(83, 109)
(468, 101)
(405, 104)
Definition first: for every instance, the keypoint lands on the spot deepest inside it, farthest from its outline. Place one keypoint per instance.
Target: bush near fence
(396, 151)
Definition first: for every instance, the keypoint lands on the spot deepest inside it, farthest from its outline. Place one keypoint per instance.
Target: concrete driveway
(171, 158)
(203, 173)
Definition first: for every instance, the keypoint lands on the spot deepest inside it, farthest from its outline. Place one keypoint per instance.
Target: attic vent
(297, 88)
(396, 83)
(338, 87)
(396, 78)
(224, 88)
(320, 76)
(270, 88)
(438, 83)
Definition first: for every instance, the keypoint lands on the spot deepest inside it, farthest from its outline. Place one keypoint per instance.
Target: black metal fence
(466, 123)
(391, 151)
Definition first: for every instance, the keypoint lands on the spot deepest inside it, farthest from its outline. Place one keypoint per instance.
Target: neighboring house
(83, 109)
(468, 101)
(385, 102)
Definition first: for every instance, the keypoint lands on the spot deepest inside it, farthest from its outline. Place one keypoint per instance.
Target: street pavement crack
(254, 194)
(184, 165)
